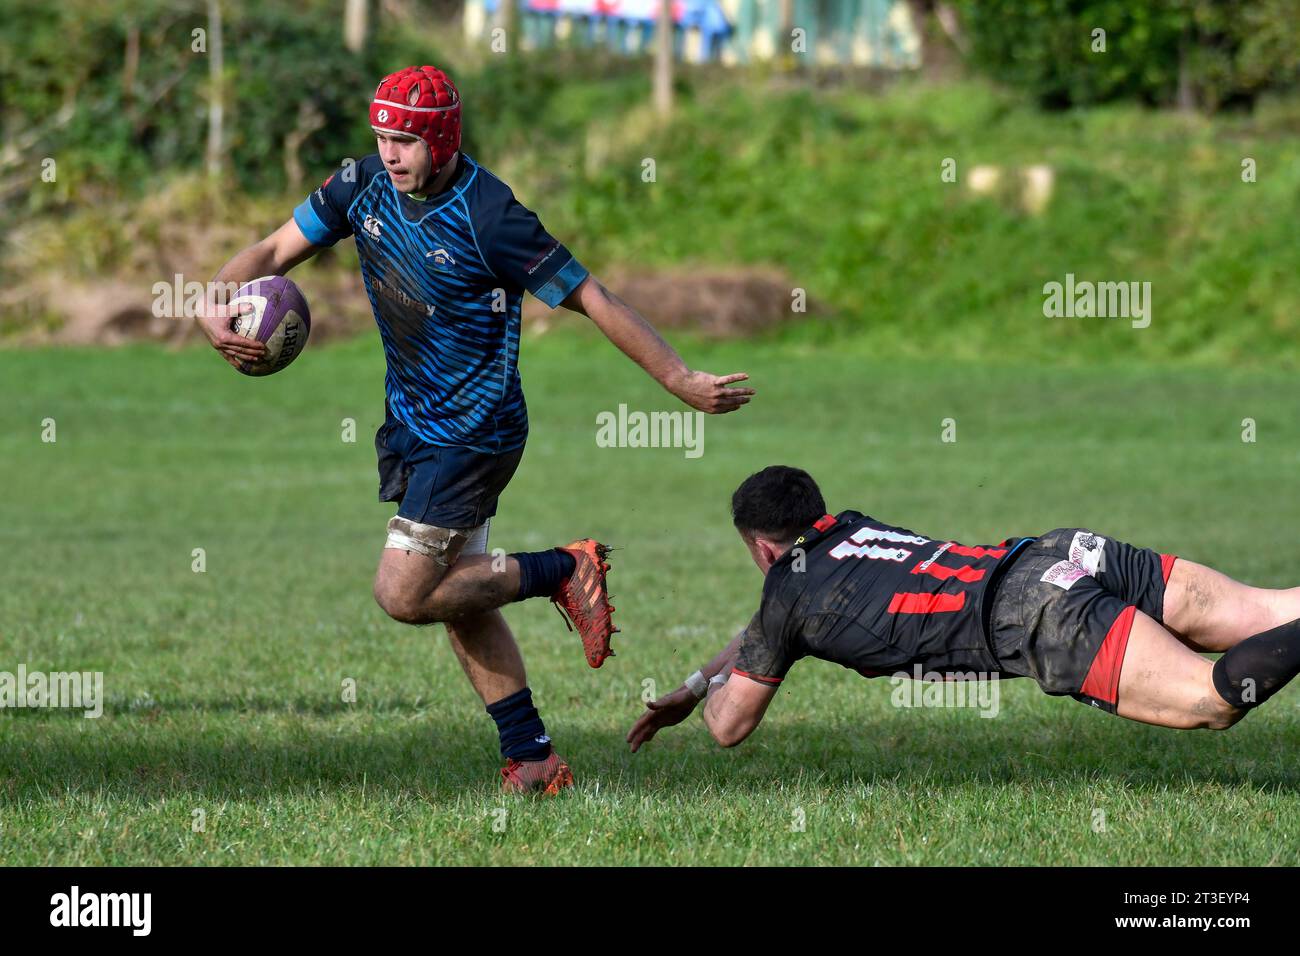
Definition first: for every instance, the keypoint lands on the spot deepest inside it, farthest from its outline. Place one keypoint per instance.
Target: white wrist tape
(697, 685)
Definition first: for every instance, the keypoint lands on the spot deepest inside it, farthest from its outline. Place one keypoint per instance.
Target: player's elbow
(285, 248)
(589, 296)
(729, 734)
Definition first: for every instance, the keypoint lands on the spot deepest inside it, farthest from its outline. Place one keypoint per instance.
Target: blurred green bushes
(1205, 54)
(118, 95)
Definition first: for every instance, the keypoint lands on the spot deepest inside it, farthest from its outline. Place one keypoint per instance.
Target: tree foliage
(1209, 54)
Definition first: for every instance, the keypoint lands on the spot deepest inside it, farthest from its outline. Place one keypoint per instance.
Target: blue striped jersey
(446, 278)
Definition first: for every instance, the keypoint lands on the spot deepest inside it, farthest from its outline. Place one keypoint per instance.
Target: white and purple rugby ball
(279, 318)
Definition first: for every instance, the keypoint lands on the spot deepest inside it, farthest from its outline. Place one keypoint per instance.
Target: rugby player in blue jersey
(446, 253)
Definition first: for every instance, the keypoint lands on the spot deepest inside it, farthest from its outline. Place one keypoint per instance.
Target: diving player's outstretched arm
(639, 341)
(735, 708)
(675, 707)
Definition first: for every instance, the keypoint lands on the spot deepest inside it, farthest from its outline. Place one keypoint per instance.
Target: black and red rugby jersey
(876, 599)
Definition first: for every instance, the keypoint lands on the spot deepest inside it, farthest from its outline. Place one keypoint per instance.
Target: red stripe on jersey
(1102, 681)
(902, 603)
(824, 522)
(965, 574)
(758, 677)
(964, 551)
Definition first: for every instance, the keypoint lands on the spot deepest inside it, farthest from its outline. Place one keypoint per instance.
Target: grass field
(224, 687)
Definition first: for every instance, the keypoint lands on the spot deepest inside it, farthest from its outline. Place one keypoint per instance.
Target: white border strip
(420, 109)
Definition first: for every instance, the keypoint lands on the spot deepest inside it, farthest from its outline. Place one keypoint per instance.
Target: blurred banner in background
(859, 32)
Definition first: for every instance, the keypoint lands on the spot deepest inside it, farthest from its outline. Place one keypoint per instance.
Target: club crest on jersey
(370, 226)
(440, 258)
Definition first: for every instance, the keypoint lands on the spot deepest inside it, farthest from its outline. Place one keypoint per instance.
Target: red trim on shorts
(771, 681)
(903, 603)
(1167, 565)
(1102, 681)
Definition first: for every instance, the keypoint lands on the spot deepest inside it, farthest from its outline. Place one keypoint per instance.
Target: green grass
(223, 687)
(842, 191)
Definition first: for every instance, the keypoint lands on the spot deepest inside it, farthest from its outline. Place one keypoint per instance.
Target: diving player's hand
(710, 393)
(667, 710)
(215, 321)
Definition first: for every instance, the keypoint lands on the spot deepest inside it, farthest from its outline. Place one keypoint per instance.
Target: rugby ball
(279, 318)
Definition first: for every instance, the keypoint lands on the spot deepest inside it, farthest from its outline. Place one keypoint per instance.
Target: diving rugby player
(446, 252)
(1114, 626)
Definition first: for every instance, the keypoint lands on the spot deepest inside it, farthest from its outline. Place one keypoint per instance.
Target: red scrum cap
(420, 101)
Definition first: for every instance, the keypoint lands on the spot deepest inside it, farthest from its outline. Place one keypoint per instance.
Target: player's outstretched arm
(639, 341)
(735, 708)
(675, 707)
(275, 255)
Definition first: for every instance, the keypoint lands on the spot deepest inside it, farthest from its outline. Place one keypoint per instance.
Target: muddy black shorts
(1063, 611)
(448, 487)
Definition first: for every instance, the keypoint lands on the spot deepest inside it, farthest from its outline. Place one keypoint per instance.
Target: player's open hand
(667, 710)
(216, 321)
(712, 393)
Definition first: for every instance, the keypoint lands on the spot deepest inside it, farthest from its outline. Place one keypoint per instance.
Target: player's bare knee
(1212, 712)
(409, 595)
(396, 602)
(401, 601)
(381, 591)
(1225, 720)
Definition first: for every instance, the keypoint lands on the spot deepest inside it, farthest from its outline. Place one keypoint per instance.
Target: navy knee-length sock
(1260, 666)
(523, 735)
(540, 572)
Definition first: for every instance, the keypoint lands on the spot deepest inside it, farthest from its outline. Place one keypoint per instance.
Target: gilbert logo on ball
(279, 318)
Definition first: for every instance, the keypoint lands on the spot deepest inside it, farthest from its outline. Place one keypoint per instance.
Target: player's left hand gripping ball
(583, 598)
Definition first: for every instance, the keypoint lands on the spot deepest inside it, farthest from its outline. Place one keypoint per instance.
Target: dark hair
(778, 502)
